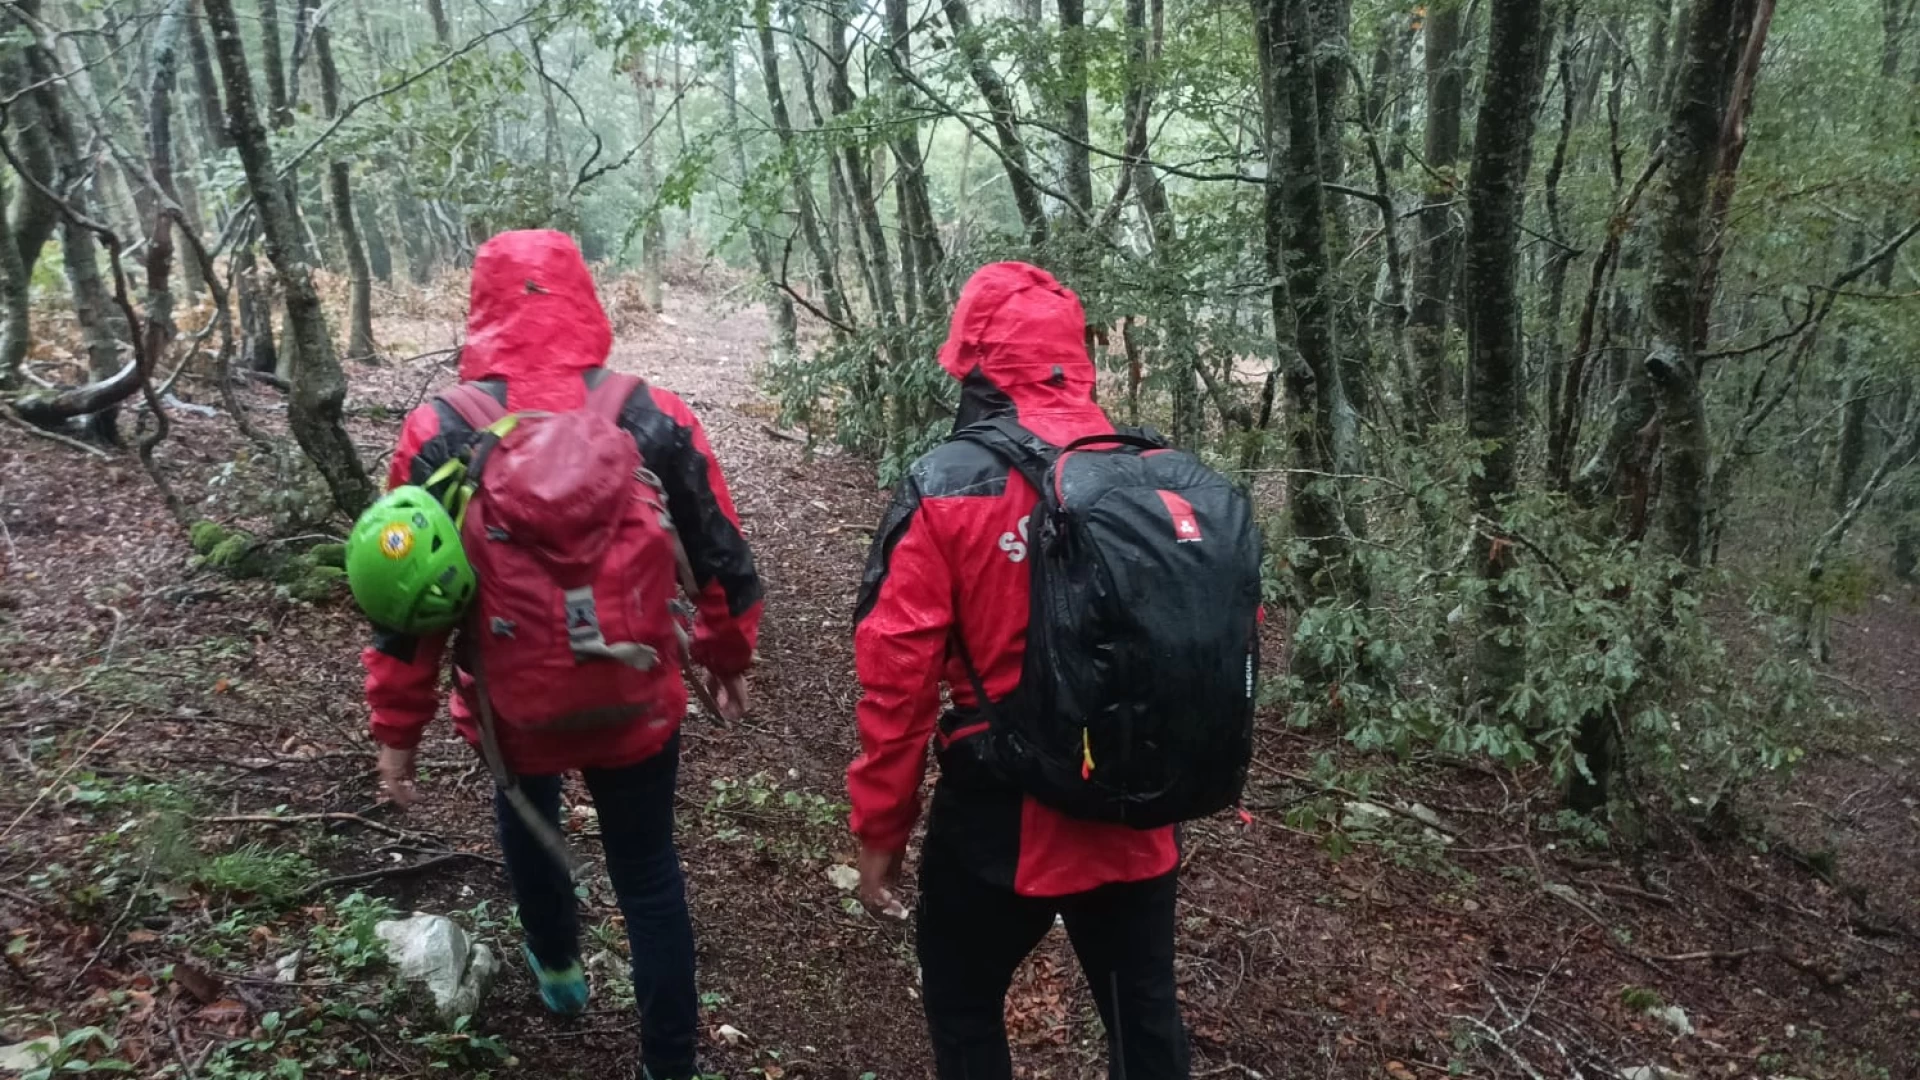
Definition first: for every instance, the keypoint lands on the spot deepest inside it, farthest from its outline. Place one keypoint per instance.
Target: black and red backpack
(1137, 689)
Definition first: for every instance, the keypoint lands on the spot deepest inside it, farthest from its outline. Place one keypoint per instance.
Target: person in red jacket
(948, 567)
(536, 338)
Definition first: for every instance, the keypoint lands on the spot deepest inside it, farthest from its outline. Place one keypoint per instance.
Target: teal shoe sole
(564, 992)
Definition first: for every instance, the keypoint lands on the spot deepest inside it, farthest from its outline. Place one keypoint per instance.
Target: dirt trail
(1489, 947)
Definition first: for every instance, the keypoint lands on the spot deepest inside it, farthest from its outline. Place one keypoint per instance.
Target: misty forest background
(1568, 345)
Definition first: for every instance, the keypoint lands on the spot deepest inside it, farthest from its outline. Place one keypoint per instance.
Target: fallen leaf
(141, 937)
(226, 1014)
(201, 985)
(1399, 1071)
(222, 686)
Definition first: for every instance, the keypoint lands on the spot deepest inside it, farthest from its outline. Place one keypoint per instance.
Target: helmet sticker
(396, 540)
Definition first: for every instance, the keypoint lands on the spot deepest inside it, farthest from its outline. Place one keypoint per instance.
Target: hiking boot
(562, 990)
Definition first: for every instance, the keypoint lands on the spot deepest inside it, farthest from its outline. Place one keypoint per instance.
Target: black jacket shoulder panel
(959, 468)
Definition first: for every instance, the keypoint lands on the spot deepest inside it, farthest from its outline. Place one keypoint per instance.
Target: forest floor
(187, 798)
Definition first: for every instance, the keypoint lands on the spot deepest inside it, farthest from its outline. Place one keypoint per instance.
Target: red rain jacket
(535, 328)
(949, 558)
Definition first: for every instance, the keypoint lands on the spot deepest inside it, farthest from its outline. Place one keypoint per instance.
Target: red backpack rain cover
(569, 537)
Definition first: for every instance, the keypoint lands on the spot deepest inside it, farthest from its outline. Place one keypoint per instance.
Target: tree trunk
(784, 323)
(864, 203)
(1496, 385)
(1435, 248)
(1077, 165)
(797, 175)
(255, 302)
(442, 29)
(918, 228)
(1715, 28)
(360, 344)
(33, 215)
(1013, 152)
(102, 327)
(319, 387)
(1323, 434)
(366, 210)
(837, 198)
(278, 105)
(206, 86)
(1552, 363)
(653, 233)
(15, 333)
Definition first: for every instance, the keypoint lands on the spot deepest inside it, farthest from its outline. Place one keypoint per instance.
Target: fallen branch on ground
(364, 876)
(33, 429)
(1832, 980)
(298, 819)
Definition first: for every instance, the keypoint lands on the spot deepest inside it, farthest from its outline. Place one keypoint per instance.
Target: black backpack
(1136, 696)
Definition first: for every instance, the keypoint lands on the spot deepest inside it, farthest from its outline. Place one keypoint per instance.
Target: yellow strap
(453, 467)
(1086, 755)
(499, 428)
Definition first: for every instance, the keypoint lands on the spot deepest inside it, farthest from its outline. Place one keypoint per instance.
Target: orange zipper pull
(1086, 756)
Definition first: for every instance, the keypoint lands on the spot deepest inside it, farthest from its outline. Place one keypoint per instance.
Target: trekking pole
(544, 831)
(683, 569)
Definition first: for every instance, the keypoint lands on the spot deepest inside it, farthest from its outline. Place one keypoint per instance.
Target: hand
(879, 874)
(730, 693)
(395, 767)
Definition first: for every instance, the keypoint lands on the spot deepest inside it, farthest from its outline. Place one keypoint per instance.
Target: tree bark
(865, 207)
(1715, 29)
(804, 205)
(919, 230)
(360, 344)
(206, 85)
(1013, 151)
(1496, 394)
(319, 386)
(442, 29)
(653, 233)
(784, 323)
(1322, 428)
(102, 328)
(278, 105)
(1553, 360)
(366, 211)
(1434, 252)
(1077, 165)
(15, 292)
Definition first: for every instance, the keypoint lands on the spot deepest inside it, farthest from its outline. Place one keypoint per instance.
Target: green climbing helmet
(405, 564)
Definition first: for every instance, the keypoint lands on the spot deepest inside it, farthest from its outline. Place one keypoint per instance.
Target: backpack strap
(474, 405)
(609, 391)
(1022, 450)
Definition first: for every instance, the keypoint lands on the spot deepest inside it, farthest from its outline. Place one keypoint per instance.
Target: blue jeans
(635, 803)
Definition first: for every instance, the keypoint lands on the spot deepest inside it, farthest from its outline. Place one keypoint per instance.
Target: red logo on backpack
(1186, 527)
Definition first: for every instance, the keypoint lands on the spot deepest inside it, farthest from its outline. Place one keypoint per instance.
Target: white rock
(844, 878)
(1365, 817)
(31, 1054)
(1651, 1072)
(731, 1035)
(1674, 1017)
(432, 950)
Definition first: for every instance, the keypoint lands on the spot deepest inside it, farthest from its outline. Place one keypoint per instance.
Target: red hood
(533, 318)
(1025, 333)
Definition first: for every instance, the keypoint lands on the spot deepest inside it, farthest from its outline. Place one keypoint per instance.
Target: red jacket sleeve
(403, 673)
(903, 622)
(728, 624)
